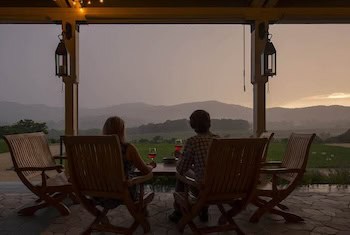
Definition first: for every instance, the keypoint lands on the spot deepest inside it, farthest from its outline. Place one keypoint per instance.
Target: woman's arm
(133, 155)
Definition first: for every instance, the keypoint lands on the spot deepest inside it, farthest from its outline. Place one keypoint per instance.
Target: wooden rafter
(175, 15)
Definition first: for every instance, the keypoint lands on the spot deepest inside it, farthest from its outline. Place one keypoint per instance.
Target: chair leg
(139, 216)
(74, 198)
(235, 209)
(282, 207)
(264, 206)
(63, 209)
(29, 211)
(289, 217)
(228, 216)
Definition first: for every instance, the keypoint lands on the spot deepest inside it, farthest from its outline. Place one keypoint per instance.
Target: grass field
(3, 146)
(321, 156)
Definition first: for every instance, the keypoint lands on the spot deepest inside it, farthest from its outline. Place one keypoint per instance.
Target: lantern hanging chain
(244, 88)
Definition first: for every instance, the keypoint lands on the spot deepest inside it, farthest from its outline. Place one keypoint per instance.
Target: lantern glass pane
(269, 64)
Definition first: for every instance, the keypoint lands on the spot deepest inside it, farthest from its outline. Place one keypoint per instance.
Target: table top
(165, 169)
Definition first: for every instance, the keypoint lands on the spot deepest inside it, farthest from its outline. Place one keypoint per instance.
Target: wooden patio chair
(290, 170)
(231, 175)
(96, 169)
(31, 157)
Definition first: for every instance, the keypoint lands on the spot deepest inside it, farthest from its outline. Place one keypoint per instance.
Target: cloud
(338, 95)
(338, 98)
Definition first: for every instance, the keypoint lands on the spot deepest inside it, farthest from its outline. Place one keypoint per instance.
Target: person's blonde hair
(115, 126)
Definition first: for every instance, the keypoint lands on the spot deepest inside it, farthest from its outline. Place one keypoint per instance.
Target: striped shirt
(195, 154)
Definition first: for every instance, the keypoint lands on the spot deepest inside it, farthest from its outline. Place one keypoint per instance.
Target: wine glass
(152, 153)
(178, 145)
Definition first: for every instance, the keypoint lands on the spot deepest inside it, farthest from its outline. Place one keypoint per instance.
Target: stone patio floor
(325, 210)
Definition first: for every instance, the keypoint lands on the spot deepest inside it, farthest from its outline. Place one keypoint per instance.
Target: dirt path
(346, 145)
(6, 164)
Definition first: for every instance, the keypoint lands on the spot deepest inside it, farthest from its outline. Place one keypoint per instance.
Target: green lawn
(321, 156)
(3, 146)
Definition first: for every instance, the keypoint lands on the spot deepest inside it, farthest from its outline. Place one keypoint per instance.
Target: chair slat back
(232, 166)
(29, 150)
(268, 136)
(95, 164)
(297, 153)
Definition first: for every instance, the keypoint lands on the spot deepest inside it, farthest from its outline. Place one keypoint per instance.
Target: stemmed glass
(178, 147)
(152, 153)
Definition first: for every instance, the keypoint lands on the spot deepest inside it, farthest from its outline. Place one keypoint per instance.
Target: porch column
(258, 41)
(71, 82)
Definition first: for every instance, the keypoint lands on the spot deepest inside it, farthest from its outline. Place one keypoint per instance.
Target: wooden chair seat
(59, 180)
(231, 175)
(31, 157)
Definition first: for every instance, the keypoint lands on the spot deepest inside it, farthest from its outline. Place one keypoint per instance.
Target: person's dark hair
(200, 121)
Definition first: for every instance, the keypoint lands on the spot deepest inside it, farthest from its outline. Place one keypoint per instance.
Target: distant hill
(136, 114)
(343, 138)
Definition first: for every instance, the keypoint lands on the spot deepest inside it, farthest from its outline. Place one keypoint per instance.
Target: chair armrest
(63, 157)
(188, 180)
(140, 179)
(47, 168)
(271, 163)
(279, 170)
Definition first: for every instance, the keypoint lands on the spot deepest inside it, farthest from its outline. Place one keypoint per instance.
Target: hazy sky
(172, 64)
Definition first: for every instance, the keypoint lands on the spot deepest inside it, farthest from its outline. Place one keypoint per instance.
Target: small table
(164, 169)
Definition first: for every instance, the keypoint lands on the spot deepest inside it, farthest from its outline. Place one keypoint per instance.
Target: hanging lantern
(61, 59)
(268, 59)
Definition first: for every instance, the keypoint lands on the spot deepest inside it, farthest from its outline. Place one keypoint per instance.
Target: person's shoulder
(192, 138)
(130, 147)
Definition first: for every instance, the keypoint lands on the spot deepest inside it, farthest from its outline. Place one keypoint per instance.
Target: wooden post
(71, 82)
(258, 41)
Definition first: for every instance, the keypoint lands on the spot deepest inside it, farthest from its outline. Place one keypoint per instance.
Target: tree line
(182, 125)
(23, 126)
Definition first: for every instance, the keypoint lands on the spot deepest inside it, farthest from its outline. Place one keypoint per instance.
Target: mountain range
(136, 114)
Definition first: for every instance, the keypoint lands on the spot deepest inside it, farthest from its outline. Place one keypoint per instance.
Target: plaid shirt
(195, 154)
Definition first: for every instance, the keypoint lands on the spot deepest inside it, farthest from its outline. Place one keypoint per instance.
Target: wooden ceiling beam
(175, 15)
(39, 15)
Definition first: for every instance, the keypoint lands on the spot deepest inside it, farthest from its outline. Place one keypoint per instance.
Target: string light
(83, 3)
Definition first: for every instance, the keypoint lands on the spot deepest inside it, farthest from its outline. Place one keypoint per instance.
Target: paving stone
(325, 230)
(324, 213)
(312, 211)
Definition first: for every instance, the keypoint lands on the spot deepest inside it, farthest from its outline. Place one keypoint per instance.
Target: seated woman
(131, 159)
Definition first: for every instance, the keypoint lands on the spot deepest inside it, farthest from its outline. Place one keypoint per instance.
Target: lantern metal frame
(269, 58)
(61, 58)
